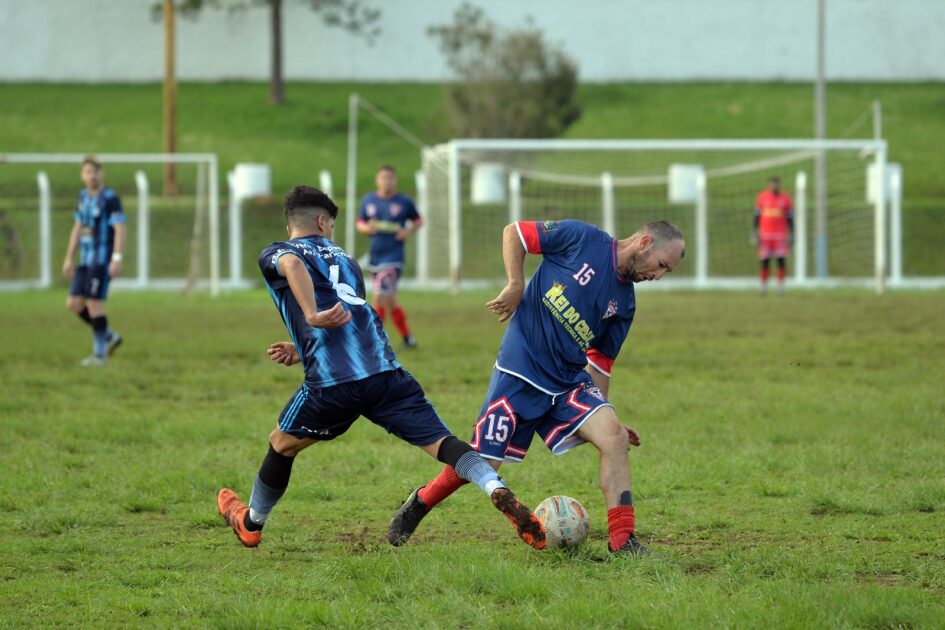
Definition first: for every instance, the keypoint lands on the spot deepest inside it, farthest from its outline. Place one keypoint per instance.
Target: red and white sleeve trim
(528, 233)
(600, 362)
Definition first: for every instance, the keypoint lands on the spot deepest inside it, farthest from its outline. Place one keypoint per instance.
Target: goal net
(172, 241)
(706, 187)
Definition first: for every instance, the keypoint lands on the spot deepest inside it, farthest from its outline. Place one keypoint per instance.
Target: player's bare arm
(283, 352)
(300, 283)
(68, 265)
(114, 267)
(366, 227)
(513, 255)
(406, 232)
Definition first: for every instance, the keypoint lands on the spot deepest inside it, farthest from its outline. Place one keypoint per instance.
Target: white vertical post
(45, 230)
(702, 230)
(144, 227)
(423, 235)
(214, 194)
(607, 203)
(351, 177)
(455, 216)
(325, 183)
(515, 197)
(895, 224)
(236, 229)
(800, 227)
(879, 204)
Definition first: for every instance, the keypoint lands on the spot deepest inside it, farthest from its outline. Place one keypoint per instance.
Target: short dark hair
(91, 159)
(305, 201)
(387, 167)
(663, 232)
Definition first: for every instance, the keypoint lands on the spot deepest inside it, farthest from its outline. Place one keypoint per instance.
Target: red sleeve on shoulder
(599, 361)
(528, 232)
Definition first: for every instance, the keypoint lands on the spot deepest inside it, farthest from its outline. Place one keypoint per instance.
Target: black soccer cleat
(632, 547)
(409, 341)
(406, 519)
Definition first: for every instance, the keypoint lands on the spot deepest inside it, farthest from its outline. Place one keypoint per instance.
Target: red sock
(445, 484)
(764, 274)
(780, 275)
(381, 313)
(400, 321)
(620, 525)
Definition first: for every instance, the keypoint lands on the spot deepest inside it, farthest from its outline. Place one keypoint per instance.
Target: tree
(512, 84)
(351, 15)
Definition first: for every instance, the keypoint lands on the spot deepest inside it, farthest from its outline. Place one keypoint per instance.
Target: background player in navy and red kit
(389, 218)
(552, 372)
(350, 370)
(99, 234)
(774, 230)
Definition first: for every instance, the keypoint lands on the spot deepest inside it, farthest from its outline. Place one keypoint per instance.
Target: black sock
(276, 469)
(451, 449)
(84, 315)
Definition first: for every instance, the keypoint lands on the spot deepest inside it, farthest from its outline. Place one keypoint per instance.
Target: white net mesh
(567, 183)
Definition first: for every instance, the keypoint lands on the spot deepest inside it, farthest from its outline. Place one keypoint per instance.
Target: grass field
(790, 474)
(309, 134)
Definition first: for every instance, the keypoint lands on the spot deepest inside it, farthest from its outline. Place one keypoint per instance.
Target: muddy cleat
(409, 341)
(112, 344)
(526, 523)
(92, 361)
(234, 511)
(632, 547)
(406, 519)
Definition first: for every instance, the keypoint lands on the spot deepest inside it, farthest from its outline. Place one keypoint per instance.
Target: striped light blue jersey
(330, 356)
(98, 216)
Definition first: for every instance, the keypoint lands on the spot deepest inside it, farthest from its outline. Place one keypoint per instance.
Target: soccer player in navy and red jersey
(553, 369)
(389, 218)
(774, 230)
(350, 370)
(99, 233)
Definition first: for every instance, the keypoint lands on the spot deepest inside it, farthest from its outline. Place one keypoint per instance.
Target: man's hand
(334, 317)
(371, 226)
(402, 234)
(634, 436)
(67, 269)
(506, 302)
(283, 352)
(114, 268)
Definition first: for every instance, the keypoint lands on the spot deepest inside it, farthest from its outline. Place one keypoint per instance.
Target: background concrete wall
(612, 40)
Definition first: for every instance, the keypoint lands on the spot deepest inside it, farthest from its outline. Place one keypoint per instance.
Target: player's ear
(645, 241)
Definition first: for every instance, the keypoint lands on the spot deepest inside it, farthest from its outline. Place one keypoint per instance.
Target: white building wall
(612, 40)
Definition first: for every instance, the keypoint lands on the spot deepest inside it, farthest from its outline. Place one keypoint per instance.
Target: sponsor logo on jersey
(549, 226)
(371, 210)
(562, 310)
(611, 309)
(394, 209)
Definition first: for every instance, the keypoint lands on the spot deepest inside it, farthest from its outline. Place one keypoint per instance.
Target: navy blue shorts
(514, 412)
(393, 400)
(90, 281)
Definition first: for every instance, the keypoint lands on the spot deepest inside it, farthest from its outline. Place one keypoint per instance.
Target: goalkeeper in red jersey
(774, 230)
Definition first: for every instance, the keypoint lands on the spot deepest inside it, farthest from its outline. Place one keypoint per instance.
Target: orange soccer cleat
(234, 511)
(526, 523)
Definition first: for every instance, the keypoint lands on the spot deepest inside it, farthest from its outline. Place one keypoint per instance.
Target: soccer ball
(565, 521)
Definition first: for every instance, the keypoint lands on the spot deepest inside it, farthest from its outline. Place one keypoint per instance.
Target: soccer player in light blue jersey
(99, 233)
(350, 371)
(552, 372)
(389, 218)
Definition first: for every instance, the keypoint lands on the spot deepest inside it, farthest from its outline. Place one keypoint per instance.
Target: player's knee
(607, 434)
(74, 304)
(285, 444)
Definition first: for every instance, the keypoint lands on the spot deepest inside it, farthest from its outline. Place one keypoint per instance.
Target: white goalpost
(172, 243)
(473, 188)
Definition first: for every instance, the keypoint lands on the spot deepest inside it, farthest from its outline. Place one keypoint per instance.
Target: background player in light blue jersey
(350, 371)
(553, 369)
(99, 233)
(389, 218)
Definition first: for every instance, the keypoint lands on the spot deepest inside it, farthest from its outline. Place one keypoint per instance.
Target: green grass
(790, 474)
(308, 134)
